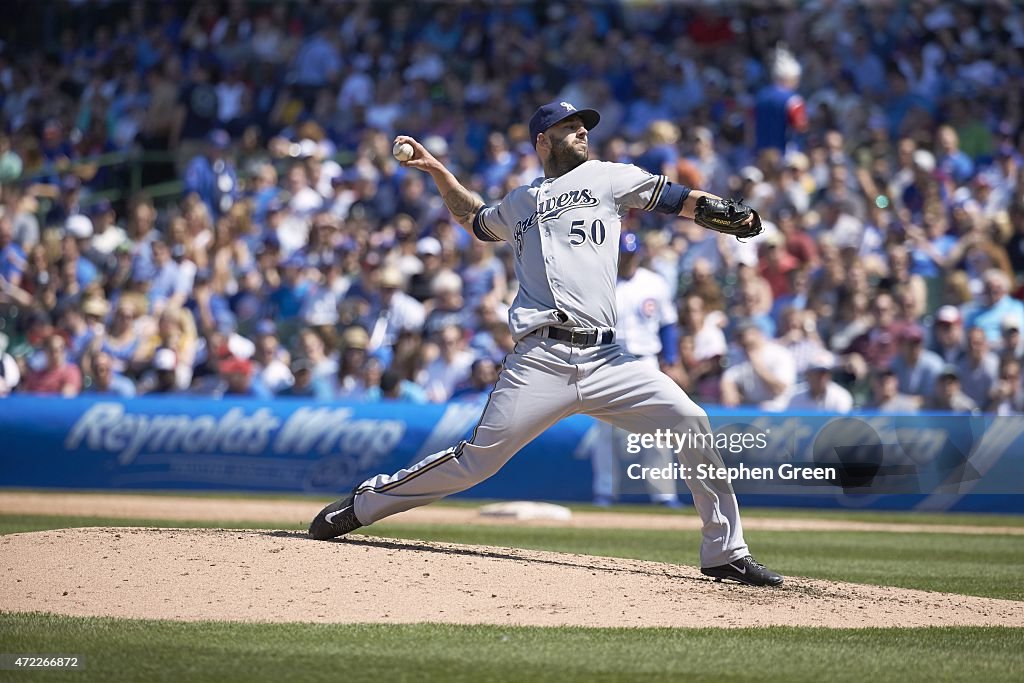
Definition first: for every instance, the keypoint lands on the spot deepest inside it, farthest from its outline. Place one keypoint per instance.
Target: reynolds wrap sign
(285, 445)
(929, 462)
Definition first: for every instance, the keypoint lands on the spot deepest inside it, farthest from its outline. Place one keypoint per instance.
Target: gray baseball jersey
(565, 232)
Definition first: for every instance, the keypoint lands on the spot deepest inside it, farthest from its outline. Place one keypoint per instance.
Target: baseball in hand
(403, 151)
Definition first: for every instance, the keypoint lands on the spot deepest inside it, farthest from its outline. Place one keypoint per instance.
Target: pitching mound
(277, 576)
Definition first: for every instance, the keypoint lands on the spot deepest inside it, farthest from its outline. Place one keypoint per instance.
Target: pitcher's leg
(641, 400)
(532, 393)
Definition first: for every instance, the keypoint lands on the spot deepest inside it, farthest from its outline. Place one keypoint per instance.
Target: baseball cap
(219, 139)
(100, 207)
(95, 306)
(436, 145)
(165, 359)
(390, 277)
(949, 371)
(752, 174)
(78, 226)
(428, 245)
(355, 337)
(266, 327)
(553, 112)
(947, 314)
(913, 333)
(232, 365)
(1009, 322)
(301, 364)
(822, 361)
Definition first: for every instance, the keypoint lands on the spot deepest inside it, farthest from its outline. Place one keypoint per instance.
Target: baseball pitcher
(564, 230)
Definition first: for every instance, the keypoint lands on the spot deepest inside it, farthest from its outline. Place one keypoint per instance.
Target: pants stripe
(453, 455)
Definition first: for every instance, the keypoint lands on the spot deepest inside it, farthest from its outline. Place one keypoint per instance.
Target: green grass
(850, 515)
(117, 650)
(984, 565)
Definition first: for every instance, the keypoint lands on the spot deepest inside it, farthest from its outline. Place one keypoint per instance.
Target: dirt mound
(279, 576)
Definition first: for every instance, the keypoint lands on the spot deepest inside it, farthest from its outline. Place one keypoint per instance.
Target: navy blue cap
(629, 243)
(553, 112)
(220, 139)
(100, 207)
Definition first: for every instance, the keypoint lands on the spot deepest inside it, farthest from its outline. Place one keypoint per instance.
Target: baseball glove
(727, 216)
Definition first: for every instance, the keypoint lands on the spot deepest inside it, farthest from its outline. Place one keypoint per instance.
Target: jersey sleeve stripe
(481, 231)
(656, 195)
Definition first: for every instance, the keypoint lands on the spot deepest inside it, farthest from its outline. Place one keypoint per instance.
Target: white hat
(447, 281)
(78, 226)
(428, 245)
(924, 160)
(785, 67)
(241, 347)
(751, 173)
(436, 145)
(165, 359)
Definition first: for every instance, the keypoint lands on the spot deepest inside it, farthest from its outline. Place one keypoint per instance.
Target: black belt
(577, 336)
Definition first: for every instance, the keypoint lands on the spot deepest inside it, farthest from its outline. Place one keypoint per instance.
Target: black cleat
(745, 570)
(337, 519)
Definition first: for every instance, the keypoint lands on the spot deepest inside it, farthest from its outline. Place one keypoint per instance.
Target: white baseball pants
(543, 381)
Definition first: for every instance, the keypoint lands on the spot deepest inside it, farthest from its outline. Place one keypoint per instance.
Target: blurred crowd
(881, 143)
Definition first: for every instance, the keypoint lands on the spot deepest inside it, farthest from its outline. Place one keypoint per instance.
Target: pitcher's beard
(565, 156)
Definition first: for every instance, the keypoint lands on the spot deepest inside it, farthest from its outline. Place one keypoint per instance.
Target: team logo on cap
(568, 107)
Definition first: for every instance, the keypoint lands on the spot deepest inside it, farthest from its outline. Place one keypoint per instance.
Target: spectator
(238, 381)
(948, 339)
(421, 286)
(820, 392)
(948, 396)
(878, 345)
(104, 381)
(709, 346)
(212, 175)
(950, 159)
(12, 259)
(451, 366)
(780, 114)
(978, 368)
(764, 377)
(1008, 394)
(305, 384)
(886, 396)
(999, 306)
(394, 312)
(482, 275)
(160, 378)
(122, 340)
(449, 307)
(1013, 341)
(270, 361)
(58, 375)
(107, 236)
(799, 335)
(393, 387)
(916, 368)
(314, 351)
(10, 373)
(483, 374)
(349, 382)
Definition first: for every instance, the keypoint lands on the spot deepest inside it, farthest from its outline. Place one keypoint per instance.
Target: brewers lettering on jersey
(564, 229)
